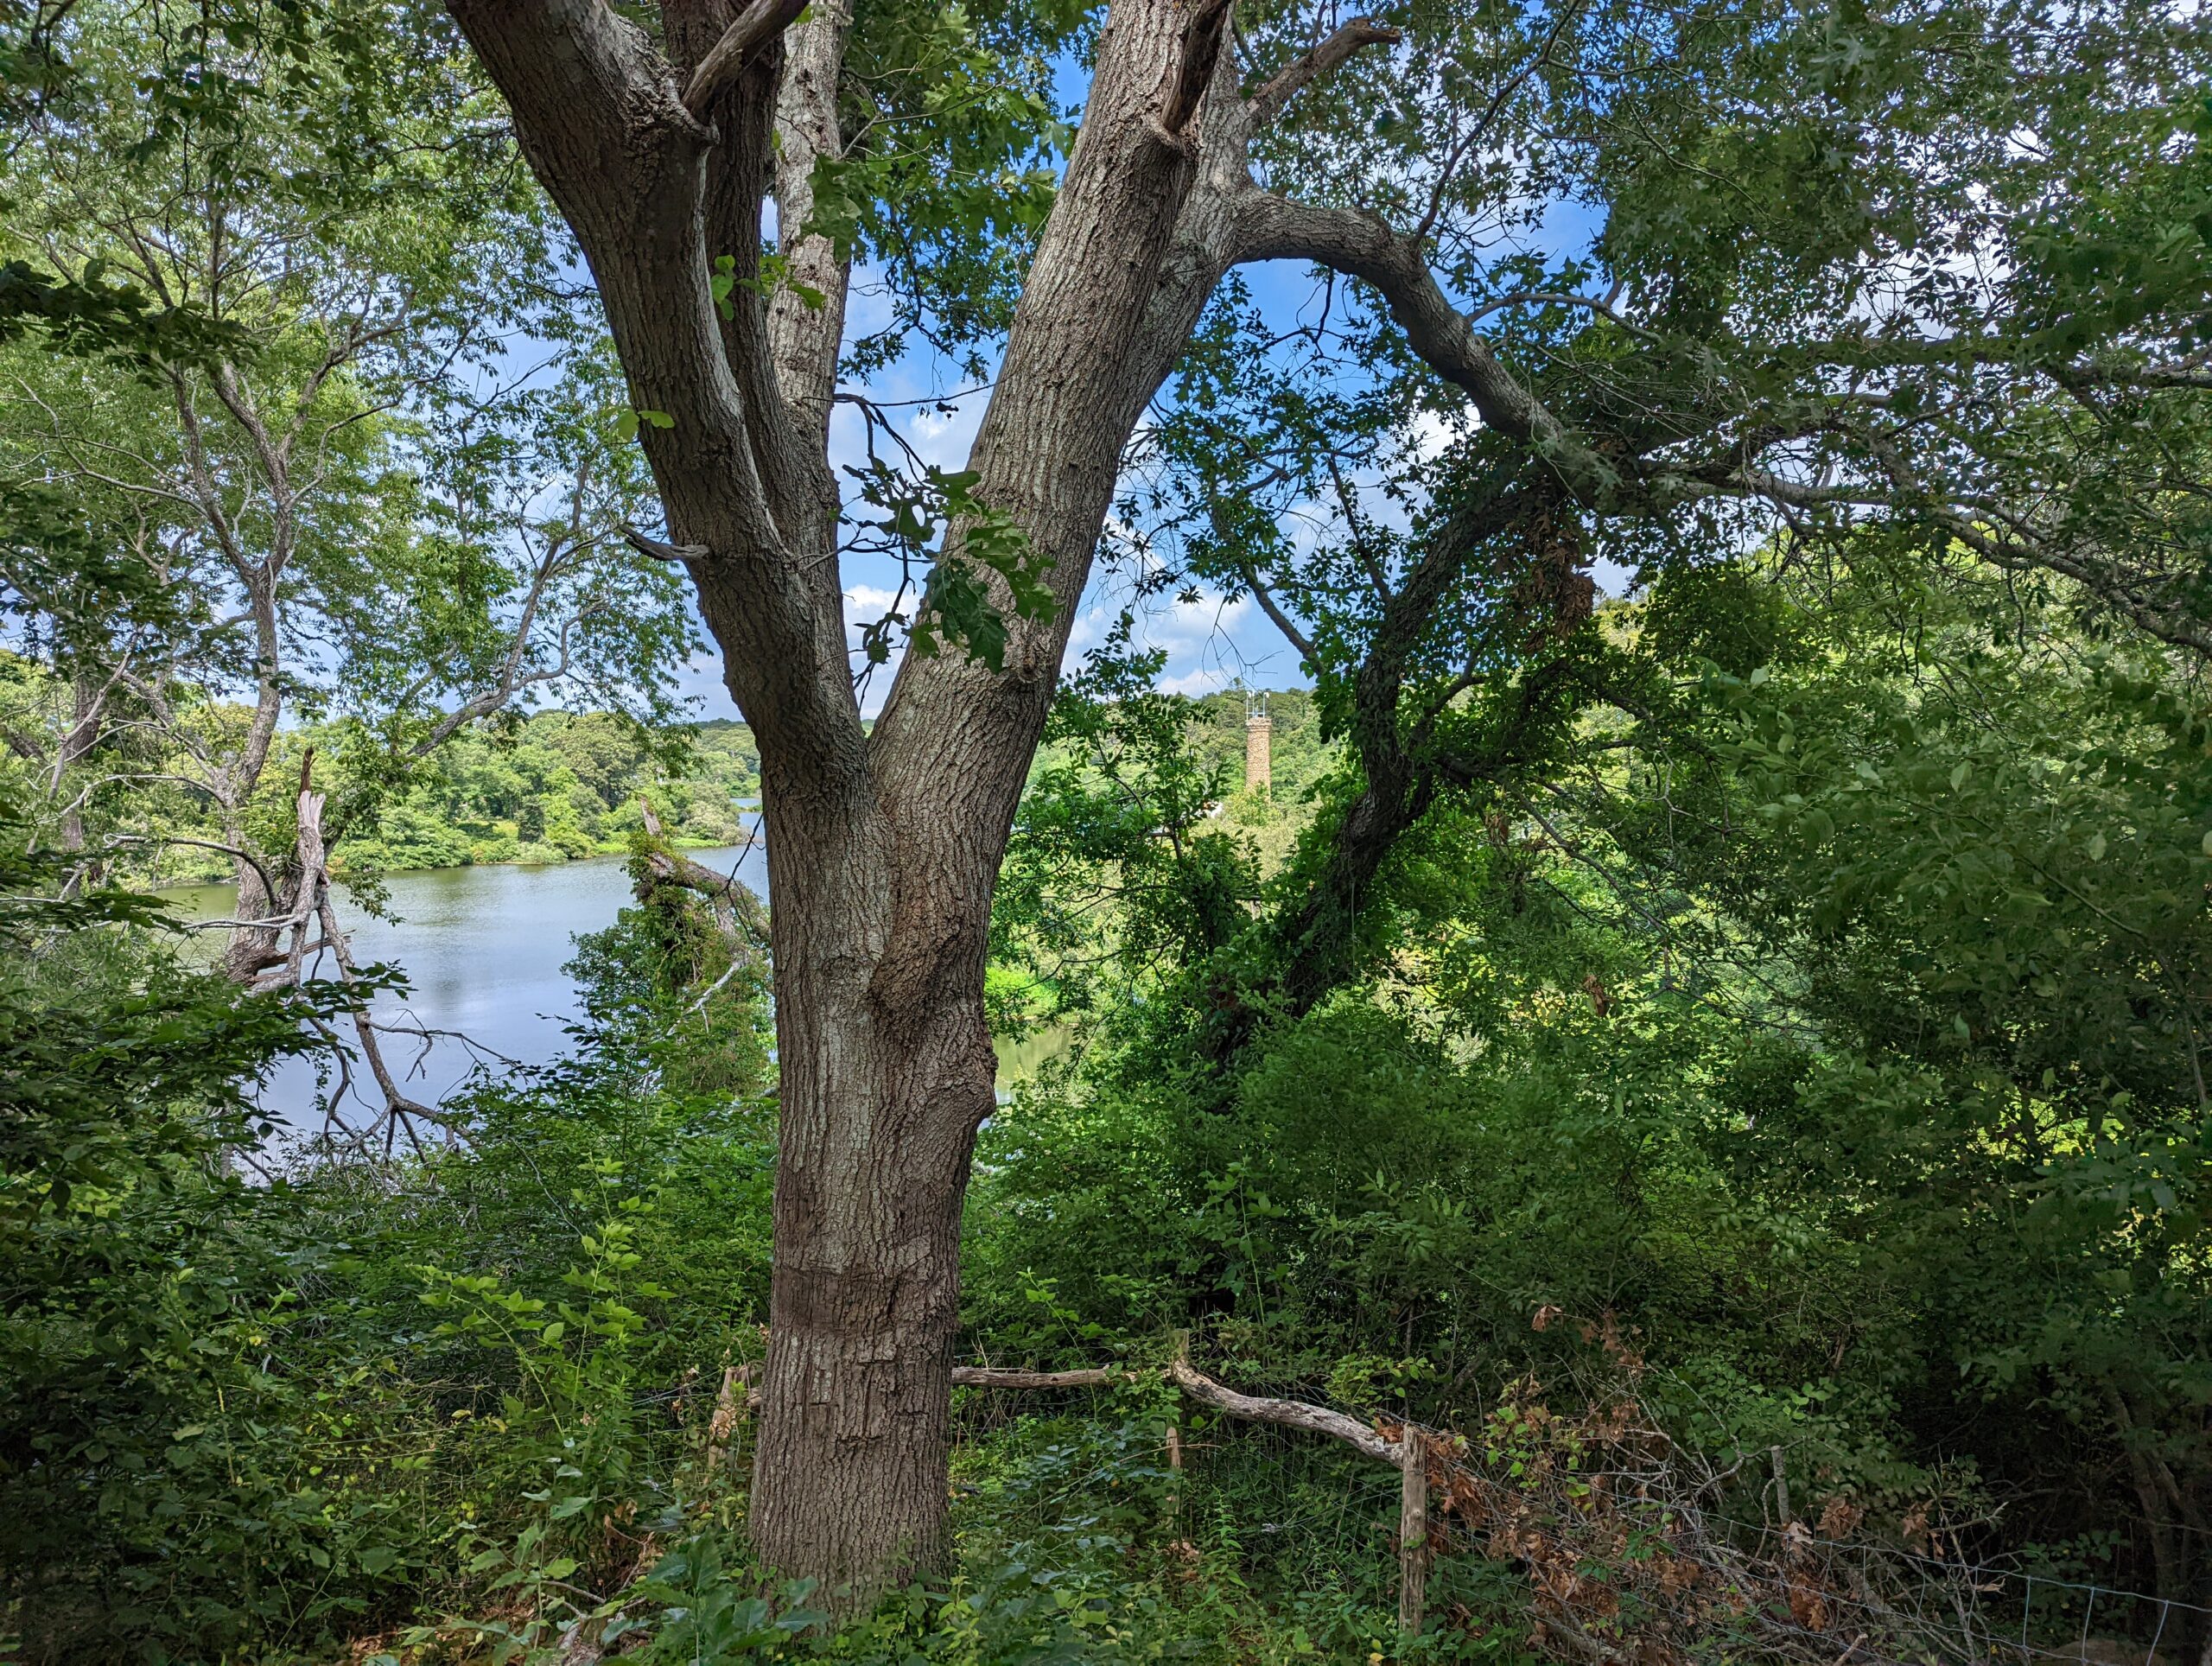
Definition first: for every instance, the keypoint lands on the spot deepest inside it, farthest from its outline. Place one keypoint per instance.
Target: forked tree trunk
(882, 846)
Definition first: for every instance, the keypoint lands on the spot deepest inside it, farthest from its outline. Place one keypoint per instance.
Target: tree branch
(748, 915)
(982, 1376)
(1547, 298)
(1288, 82)
(1274, 227)
(658, 549)
(1280, 620)
(1287, 1413)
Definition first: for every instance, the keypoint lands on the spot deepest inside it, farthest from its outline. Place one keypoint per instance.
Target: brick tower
(1259, 732)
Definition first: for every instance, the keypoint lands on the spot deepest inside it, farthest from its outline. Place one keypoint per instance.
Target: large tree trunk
(880, 1100)
(879, 1095)
(881, 935)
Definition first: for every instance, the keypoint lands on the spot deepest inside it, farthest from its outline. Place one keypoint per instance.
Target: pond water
(482, 950)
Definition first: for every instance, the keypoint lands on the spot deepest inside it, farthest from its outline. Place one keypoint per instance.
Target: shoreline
(337, 871)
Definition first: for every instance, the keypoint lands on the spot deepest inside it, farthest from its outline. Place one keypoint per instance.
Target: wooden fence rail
(1794, 1592)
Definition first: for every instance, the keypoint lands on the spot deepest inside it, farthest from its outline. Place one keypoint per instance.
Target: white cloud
(1209, 642)
(1431, 436)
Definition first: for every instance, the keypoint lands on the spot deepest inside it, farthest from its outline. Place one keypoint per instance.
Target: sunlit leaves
(628, 419)
(773, 274)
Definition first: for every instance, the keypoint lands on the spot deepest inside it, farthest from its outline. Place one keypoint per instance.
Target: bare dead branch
(1288, 1413)
(982, 1377)
(762, 21)
(238, 851)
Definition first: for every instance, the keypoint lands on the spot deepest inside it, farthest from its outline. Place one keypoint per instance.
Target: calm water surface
(482, 949)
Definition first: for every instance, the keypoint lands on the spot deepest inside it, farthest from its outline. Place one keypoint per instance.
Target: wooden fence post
(1413, 1530)
(1175, 1472)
